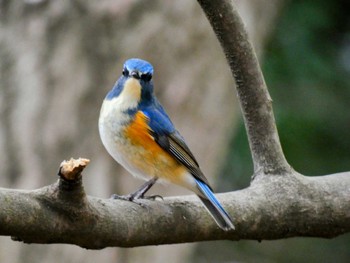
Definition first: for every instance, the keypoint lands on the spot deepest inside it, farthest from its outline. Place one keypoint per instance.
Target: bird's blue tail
(219, 214)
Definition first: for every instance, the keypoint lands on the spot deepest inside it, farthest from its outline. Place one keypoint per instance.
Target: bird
(138, 133)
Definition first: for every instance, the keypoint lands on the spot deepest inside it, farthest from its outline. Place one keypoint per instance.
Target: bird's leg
(139, 193)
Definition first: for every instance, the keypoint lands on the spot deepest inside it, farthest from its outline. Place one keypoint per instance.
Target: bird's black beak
(135, 74)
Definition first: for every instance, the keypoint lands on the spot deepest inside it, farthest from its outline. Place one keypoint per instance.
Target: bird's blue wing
(159, 121)
(170, 140)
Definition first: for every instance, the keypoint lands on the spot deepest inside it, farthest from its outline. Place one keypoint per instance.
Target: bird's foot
(129, 197)
(135, 198)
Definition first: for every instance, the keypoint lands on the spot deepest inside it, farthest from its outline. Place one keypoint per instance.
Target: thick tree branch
(275, 207)
(253, 95)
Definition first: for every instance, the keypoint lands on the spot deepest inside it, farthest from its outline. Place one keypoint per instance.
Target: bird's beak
(135, 74)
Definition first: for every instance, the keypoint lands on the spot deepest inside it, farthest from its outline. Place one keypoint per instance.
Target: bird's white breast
(114, 117)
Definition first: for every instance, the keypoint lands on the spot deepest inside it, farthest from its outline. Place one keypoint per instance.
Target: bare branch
(272, 208)
(254, 98)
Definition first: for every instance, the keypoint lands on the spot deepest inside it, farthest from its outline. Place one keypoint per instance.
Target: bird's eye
(146, 77)
(125, 72)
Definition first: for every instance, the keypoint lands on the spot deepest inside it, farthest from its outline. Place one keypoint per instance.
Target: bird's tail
(219, 214)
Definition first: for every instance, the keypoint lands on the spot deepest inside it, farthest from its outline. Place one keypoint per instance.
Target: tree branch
(279, 207)
(253, 95)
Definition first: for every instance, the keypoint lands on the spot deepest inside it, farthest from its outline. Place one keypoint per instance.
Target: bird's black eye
(125, 72)
(146, 77)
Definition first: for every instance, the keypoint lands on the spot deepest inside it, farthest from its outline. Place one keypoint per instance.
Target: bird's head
(138, 69)
(136, 83)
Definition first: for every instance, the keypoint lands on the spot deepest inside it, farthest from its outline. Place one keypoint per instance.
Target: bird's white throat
(116, 109)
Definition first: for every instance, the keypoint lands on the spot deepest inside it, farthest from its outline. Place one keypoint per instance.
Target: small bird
(138, 134)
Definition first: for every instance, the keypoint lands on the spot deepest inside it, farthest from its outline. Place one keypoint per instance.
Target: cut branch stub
(70, 187)
(71, 170)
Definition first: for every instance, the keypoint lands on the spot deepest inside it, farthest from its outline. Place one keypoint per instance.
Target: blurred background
(58, 59)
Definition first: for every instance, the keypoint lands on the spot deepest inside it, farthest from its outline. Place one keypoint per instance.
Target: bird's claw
(135, 198)
(123, 197)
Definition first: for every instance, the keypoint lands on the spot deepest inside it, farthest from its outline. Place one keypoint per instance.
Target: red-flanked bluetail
(138, 134)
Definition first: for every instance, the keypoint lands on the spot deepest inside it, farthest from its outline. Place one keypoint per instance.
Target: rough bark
(274, 207)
